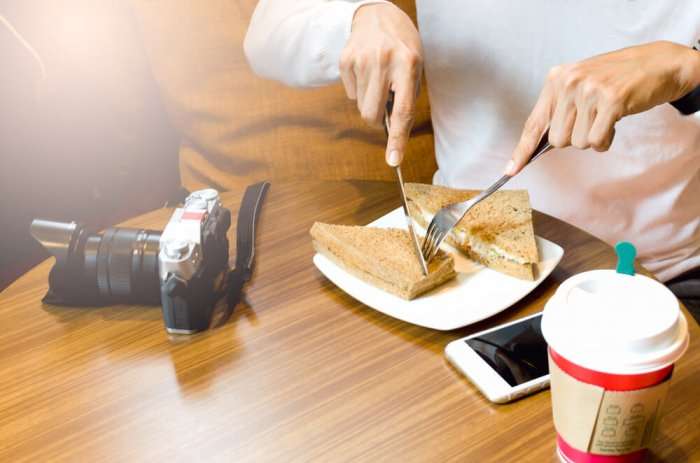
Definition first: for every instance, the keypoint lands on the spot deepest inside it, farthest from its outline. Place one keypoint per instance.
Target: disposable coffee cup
(613, 341)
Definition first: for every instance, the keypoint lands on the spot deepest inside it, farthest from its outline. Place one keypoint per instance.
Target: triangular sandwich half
(497, 232)
(383, 257)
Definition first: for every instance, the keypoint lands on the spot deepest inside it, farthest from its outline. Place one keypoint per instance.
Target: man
(597, 74)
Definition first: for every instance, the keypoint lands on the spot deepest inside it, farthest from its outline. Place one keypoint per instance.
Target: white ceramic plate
(477, 292)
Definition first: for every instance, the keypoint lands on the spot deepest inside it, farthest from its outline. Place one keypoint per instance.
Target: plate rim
(318, 260)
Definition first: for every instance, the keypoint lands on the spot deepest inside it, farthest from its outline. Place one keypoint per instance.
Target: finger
(347, 75)
(401, 119)
(602, 130)
(585, 115)
(374, 100)
(362, 81)
(562, 124)
(535, 126)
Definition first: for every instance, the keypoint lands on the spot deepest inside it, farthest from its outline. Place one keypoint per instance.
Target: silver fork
(450, 215)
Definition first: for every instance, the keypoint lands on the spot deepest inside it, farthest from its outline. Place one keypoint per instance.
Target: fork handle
(542, 147)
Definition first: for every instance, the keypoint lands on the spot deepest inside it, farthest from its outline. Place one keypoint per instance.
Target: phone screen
(518, 353)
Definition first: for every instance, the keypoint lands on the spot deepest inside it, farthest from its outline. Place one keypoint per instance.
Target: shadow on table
(196, 359)
(672, 452)
(427, 338)
(111, 313)
(193, 375)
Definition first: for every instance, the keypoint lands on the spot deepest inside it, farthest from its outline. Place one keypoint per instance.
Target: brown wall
(91, 142)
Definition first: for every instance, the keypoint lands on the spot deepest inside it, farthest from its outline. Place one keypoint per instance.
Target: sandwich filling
(464, 239)
(498, 232)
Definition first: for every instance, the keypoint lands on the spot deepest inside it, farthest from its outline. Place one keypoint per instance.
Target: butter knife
(404, 202)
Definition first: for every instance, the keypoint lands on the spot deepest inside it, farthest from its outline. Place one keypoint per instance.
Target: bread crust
(367, 263)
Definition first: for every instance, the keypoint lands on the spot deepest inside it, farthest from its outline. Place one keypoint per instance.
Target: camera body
(184, 267)
(193, 261)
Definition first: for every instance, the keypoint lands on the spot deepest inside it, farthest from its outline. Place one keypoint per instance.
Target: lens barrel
(120, 265)
(124, 263)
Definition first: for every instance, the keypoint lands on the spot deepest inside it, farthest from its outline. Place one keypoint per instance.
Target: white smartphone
(506, 362)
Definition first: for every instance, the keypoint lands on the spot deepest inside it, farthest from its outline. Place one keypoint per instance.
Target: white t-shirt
(485, 64)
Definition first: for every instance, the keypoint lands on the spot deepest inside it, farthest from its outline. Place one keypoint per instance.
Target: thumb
(535, 127)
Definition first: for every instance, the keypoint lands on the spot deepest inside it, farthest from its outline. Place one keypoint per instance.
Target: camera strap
(248, 214)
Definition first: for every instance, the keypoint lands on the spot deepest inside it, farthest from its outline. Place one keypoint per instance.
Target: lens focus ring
(116, 249)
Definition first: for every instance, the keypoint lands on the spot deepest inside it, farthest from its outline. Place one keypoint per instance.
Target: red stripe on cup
(609, 381)
(574, 455)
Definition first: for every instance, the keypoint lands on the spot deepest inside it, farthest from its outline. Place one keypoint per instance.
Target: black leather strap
(245, 234)
(689, 104)
(248, 214)
(232, 291)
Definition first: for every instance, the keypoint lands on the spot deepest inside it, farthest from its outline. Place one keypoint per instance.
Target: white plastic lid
(614, 323)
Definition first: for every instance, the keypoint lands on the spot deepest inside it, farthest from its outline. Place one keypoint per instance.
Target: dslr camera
(183, 268)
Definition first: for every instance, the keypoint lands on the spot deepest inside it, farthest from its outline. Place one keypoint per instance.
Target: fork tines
(431, 242)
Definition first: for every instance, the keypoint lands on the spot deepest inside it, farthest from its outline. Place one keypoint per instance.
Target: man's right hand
(384, 53)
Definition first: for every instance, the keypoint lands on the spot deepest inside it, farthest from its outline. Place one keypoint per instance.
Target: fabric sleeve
(299, 42)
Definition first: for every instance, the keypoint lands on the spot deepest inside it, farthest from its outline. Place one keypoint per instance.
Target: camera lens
(119, 265)
(124, 264)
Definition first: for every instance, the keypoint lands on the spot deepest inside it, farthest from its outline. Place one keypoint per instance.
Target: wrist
(688, 79)
(689, 72)
(367, 9)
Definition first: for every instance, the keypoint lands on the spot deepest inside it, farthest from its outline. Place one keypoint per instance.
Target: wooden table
(302, 372)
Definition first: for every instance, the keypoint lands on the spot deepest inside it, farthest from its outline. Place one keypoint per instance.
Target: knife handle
(389, 107)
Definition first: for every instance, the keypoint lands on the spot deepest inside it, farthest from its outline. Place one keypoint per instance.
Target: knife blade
(248, 214)
(402, 189)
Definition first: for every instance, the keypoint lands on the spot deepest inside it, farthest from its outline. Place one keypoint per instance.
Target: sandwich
(382, 257)
(497, 232)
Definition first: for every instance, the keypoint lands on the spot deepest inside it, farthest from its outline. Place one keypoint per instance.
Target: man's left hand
(581, 102)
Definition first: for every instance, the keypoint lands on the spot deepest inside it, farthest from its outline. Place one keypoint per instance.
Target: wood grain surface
(301, 372)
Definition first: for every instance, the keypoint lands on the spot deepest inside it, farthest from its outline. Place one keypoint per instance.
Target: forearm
(299, 42)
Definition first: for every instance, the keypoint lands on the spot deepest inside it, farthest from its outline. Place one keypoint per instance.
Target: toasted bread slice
(497, 232)
(383, 257)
